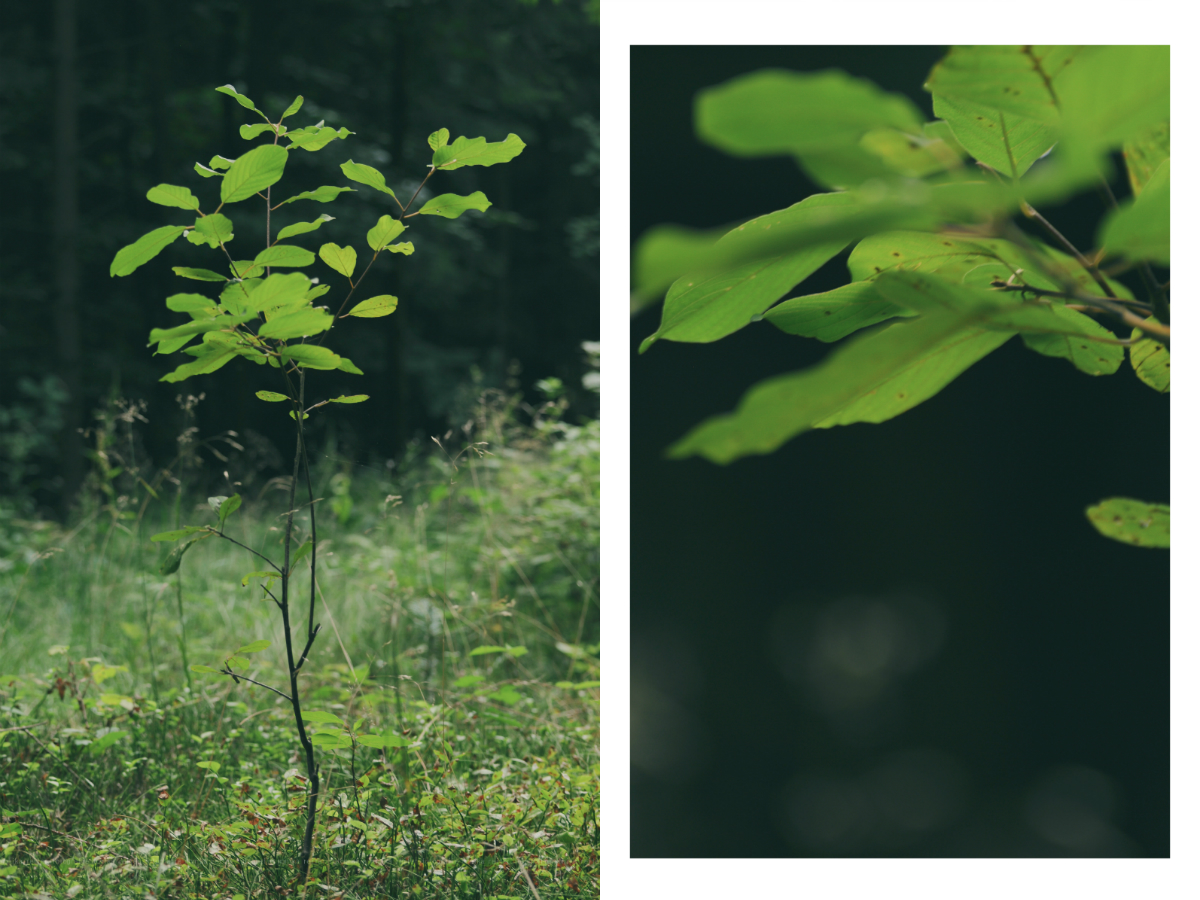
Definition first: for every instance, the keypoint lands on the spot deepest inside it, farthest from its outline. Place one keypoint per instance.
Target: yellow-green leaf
(341, 259)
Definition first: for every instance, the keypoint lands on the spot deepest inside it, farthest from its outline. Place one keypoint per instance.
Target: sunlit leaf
(475, 152)
(311, 357)
(451, 206)
(375, 307)
(284, 255)
(144, 249)
(1144, 154)
(198, 274)
(322, 194)
(254, 647)
(384, 232)
(832, 315)
(1132, 521)
(439, 138)
(367, 175)
(270, 396)
(172, 195)
(228, 507)
(1141, 229)
(1007, 142)
(341, 259)
(1018, 80)
(303, 228)
(302, 323)
(352, 398)
(320, 717)
(213, 229)
(253, 172)
(278, 290)
(293, 107)
(1151, 361)
(245, 101)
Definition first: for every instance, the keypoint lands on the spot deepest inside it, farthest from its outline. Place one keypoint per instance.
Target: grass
(457, 670)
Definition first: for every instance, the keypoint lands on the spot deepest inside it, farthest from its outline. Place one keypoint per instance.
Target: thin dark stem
(1162, 332)
(353, 286)
(404, 206)
(1091, 267)
(312, 566)
(1099, 302)
(249, 549)
(237, 678)
(304, 656)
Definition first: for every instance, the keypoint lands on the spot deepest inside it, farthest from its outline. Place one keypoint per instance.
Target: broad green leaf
(1114, 93)
(322, 194)
(346, 366)
(872, 378)
(381, 741)
(834, 314)
(246, 580)
(302, 323)
(1013, 80)
(304, 227)
(1145, 154)
(1007, 142)
(245, 269)
(311, 357)
(451, 206)
(404, 247)
(189, 302)
(301, 553)
(485, 650)
(1077, 342)
(279, 290)
(170, 565)
(320, 717)
(312, 141)
(1132, 521)
(250, 132)
(228, 507)
(177, 534)
(204, 171)
(1141, 229)
(775, 112)
(284, 255)
(172, 195)
(705, 308)
(910, 154)
(1151, 361)
(208, 764)
(144, 249)
(385, 231)
(331, 741)
(664, 253)
(252, 172)
(213, 229)
(205, 670)
(439, 139)
(270, 396)
(293, 107)
(220, 162)
(236, 296)
(317, 290)
(375, 307)
(507, 695)
(253, 647)
(209, 362)
(341, 259)
(198, 274)
(101, 744)
(476, 152)
(245, 101)
(940, 130)
(194, 327)
(367, 175)
(353, 398)
(238, 662)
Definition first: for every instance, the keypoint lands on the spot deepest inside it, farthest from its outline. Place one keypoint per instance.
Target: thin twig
(1091, 267)
(236, 677)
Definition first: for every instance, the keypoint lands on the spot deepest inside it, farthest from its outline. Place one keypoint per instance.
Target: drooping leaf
(375, 307)
(189, 302)
(353, 398)
(317, 290)
(320, 717)
(228, 507)
(341, 259)
(191, 328)
(204, 171)
(302, 323)
(170, 565)
(253, 172)
(1007, 142)
(144, 249)
(439, 138)
(833, 315)
(270, 396)
(172, 195)
(705, 308)
(1141, 229)
(384, 232)
(250, 132)
(476, 152)
(311, 357)
(367, 175)
(1132, 521)
(1151, 361)
(253, 647)
(304, 227)
(177, 534)
(301, 553)
(346, 366)
(284, 255)
(198, 274)
(209, 362)
(1143, 155)
(213, 229)
(1013, 80)
(323, 194)
(451, 206)
(245, 101)
(279, 290)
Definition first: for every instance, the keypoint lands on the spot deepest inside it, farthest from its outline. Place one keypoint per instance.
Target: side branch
(1103, 304)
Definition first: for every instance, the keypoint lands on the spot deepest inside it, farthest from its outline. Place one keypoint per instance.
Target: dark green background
(1039, 724)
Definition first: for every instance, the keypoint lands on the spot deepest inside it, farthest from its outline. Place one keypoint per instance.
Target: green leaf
(302, 323)
(237, 662)
(439, 138)
(213, 229)
(302, 552)
(250, 132)
(177, 534)
(208, 764)
(204, 171)
(172, 195)
(270, 396)
(385, 231)
(253, 647)
(874, 377)
(1151, 361)
(375, 307)
(293, 107)
(322, 194)
(1007, 142)
(205, 670)
(252, 172)
(284, 255)
(209, 362)
(189, 302)
(775, 112)
(144, 249)
(706, 308)
(220, 162)
(198, 274)
(278, 291)
(101, 744)
(340, 259)
(665, 252)
(246, 580)
(1013, 80)
(913, 155)
(475, 152)
(352, 398)
(834, 314)
(1132, 521)
(1114, 93)
(170, 565)
(292, 415)
(367, 175)
(1074, 343)
(320, 717)
(245, 269)
(346, 366)
(331, 741)
(1145, 154)
(382, 741)
(240, 98)
(215, 502)
(404, 247)
(312, 141)
(451, 206)
(1141, 229)
(228, 507)
(311, 357)
(191, 328)
(304, 227)
(507, 695)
